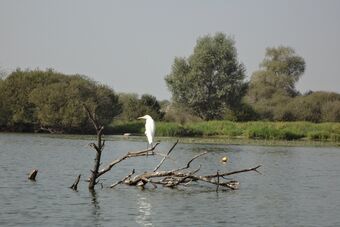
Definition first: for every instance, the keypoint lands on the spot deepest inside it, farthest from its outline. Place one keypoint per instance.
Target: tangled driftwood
(167, 178)
(183, 175)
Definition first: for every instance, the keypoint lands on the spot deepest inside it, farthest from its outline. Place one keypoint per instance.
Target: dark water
(298, 186)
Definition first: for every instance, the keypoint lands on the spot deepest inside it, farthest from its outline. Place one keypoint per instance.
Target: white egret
(149, 128)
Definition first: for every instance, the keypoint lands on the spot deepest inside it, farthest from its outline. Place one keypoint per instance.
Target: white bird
(149, 128)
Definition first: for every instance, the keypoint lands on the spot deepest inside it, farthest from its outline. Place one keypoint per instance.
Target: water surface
(299, 186)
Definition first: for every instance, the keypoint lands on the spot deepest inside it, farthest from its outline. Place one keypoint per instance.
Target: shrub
(127, 127)
(335, 137)
(173, 129)
(318, 135)
(331, 111)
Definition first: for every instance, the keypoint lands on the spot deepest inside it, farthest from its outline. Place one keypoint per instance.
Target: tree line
(211, 84)
(46, 100)
(208, 85)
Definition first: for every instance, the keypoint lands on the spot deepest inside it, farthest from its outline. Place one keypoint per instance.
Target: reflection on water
(144, 211)
(298, 186)
(95, 211)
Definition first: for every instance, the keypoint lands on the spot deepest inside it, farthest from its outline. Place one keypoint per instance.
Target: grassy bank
(247, 130)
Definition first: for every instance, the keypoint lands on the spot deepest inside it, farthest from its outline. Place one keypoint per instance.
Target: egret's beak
(140, 118)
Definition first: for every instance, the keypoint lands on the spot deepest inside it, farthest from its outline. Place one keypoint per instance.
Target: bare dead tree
(98, 147)
(167, 178)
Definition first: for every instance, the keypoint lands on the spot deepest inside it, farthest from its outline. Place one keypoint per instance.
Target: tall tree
(273, 86)
(278, 74)
(210, 79)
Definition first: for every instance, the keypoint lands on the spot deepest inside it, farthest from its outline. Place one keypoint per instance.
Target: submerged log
(33, 175)
(74, 186)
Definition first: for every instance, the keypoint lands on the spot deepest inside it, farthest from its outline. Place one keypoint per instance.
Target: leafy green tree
(283, 61)
(130, 106)
(34, 98)
(331, 111)
(60, 105)
(316, 107)
(273, 86)
(4, 106)
(278, 74)
(16, 89)
(134, 107)
(210, 79)
(150, 105)
(106, 104)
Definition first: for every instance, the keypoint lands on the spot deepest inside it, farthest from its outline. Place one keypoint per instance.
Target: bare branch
(191, 160)
(92, 117)
(174, 178)
(124, 179)
(128, 155)
(218, 181)
(94, 146)
(75, 184)
(235, 172)
(159, 165)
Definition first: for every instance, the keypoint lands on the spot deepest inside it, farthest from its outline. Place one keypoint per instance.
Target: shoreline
(304, 142)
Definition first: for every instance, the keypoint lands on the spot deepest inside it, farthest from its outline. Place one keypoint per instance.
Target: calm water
(299, 186)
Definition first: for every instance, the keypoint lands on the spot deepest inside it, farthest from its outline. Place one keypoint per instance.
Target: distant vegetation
(49, 101)
(209, 95)
(209, 84)
(247, 130)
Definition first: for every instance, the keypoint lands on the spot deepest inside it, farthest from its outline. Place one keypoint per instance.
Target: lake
(299, 186)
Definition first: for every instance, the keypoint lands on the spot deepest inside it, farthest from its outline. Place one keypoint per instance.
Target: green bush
(318, 135)
(290, 135)
(127, 127)
(273, 131)
(261, 133)
(250, 130)
(174, 129)
(335, 137)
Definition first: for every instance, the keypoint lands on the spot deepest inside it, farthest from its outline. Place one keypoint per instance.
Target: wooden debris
(167, 178)
(75, 184)
(33, 175)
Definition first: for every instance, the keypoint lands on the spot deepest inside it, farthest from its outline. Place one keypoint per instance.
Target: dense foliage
(273, 96)
(134, 107)
(208, 85)
(210, 80)
(249, 130)
(48, 100)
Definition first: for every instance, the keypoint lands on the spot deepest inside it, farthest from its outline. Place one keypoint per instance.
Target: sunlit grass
(259, 130)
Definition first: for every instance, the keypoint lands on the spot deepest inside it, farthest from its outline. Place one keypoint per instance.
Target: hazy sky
(131, 45)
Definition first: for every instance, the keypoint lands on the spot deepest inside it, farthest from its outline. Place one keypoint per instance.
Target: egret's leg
(151, 146)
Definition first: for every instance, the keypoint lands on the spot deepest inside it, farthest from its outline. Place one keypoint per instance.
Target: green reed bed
(247, 130)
